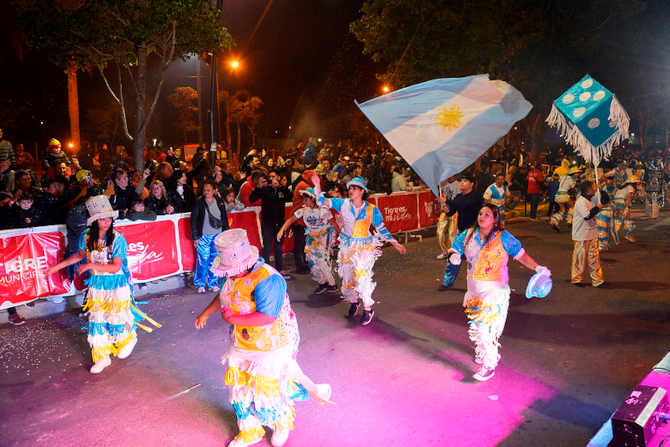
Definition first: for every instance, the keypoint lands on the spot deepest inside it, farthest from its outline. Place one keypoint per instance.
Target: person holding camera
(208, 220)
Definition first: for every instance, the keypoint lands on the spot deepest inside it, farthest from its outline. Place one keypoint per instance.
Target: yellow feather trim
(100, 352)
(99, 305)
(251, 435)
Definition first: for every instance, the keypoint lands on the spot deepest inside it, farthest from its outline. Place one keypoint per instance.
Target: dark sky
(287, 64)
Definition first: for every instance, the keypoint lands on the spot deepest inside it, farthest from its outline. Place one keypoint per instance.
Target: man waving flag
(442, 126)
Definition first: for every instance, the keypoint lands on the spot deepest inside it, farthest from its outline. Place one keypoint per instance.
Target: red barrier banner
(429, 209)
(399, 212)
(25, 259)
(249, 221)
(186, 246)
(159, 248)
(289, 237)
(152, 249)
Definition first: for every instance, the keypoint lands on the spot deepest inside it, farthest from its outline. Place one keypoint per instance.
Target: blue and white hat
(539, 286)
(309, 192)
(358, 181)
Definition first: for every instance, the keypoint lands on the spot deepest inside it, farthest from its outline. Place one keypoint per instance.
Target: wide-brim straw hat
(98, 207)
(235, 253)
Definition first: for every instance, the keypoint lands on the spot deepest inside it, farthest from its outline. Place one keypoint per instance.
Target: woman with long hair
(487, 246)
(113, 315)
(158, 201)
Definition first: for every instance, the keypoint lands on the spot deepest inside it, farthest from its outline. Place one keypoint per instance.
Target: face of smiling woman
(486, 219)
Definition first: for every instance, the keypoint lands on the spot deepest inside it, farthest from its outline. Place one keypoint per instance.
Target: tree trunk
(229, 139)
(141, 85)
(239, 139)
(73, 107)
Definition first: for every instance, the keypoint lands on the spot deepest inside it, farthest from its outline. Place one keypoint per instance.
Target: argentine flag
(442, 126)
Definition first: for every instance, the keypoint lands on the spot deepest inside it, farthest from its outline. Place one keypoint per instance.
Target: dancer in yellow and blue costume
(496, 194)
(487, 247)
(359, 249)
(113, 315)
(263, 374)
(318, 239)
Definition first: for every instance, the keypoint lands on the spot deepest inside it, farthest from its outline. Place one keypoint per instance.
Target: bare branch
(132, 77)
(147, 117)
(109, 87)
(124, 120)
(173, 44)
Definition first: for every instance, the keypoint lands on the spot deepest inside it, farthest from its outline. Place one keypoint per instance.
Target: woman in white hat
(359, 249)
(263, 374)
(113, 314)
(319, 223)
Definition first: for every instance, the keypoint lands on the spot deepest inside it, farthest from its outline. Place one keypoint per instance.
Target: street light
(386, 88)
(234, 64)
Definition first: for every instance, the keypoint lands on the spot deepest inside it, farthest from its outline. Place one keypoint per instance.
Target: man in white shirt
(585, 236)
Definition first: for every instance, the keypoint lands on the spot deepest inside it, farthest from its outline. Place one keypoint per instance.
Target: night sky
(289, 64)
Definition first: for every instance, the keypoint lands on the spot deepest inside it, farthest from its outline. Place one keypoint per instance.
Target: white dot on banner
(584, 96)
(600, 94)
(579, 111)
(567, 99)
(587, 83)
(593, 123)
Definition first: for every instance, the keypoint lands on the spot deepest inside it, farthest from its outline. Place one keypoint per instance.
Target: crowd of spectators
(53, 191)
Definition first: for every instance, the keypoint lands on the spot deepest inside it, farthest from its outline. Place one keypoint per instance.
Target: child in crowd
(231, 201)
(139, 212)
(25, 213)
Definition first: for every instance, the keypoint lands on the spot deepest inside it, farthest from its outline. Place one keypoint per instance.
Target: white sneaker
(214, 289)
(279, 437)
(201, 290)
(484, 374)
(127, 349)
(441, 256)
(100, 365)
(324, 391)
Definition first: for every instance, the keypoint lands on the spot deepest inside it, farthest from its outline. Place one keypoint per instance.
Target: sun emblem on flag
(449, 118)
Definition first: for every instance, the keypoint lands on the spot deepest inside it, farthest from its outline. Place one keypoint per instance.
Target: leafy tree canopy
(540, 47)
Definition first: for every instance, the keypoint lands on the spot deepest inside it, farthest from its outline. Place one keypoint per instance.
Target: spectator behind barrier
(157, 200)
(137, 211)
(24, 213)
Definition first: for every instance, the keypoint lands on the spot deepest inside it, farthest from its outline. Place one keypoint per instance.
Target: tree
(66, 58)
(185, 100)
(539, 47)
(242, 109)
(123, 38)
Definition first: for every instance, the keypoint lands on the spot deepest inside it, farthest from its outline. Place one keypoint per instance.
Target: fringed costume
(318, 240)
(487, 298)
(113, 314)
(263, 374)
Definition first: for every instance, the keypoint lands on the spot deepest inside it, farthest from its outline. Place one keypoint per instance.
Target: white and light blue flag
(441, 127)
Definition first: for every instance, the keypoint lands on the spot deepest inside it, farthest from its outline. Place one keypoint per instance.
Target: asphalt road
(567, 361)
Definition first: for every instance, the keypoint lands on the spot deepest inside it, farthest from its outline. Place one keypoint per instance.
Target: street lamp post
(213, 107)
